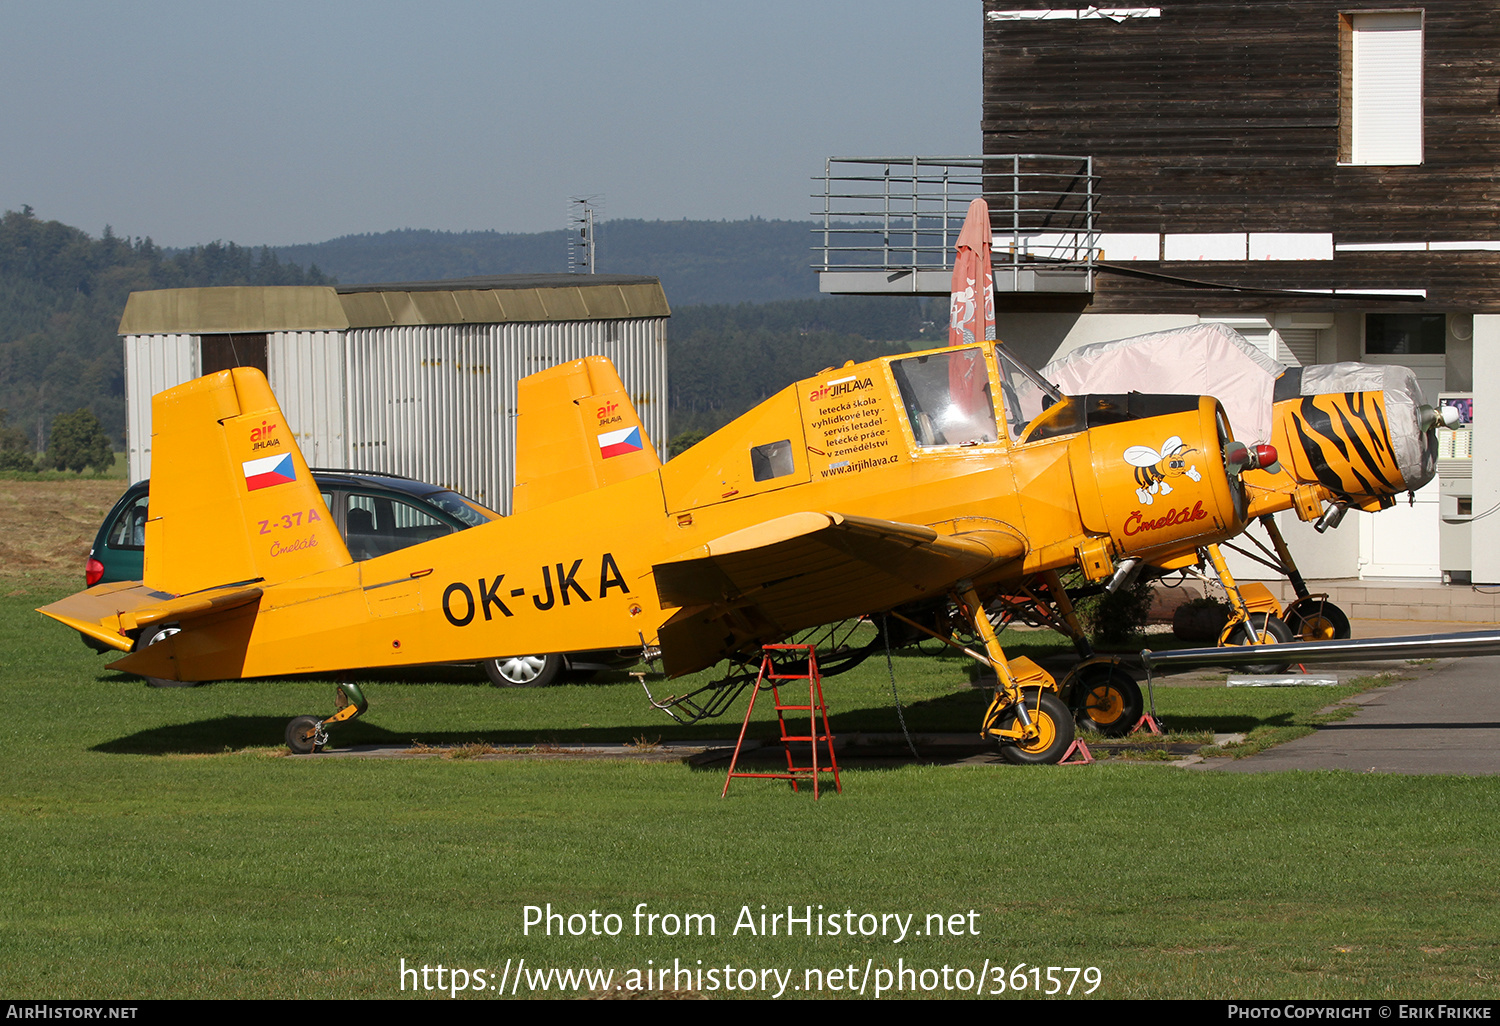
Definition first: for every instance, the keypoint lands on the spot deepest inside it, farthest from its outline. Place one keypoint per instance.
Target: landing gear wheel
(1313, 619)
(531, 671)
(1268, 630)
(1108, 701)
(149, 637)
(302, 735)
(1054, 723)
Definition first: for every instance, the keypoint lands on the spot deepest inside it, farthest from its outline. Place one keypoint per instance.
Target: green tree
(12, 438)
(78, 441)
(15, 446)
(683, 441)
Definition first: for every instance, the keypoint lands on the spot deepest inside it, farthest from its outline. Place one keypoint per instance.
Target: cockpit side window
(947, 398)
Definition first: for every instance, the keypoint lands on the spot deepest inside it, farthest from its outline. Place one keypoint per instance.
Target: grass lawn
(157, 844)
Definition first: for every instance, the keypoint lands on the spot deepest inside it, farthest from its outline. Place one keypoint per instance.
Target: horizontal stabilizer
(804, 569)
(112, 612)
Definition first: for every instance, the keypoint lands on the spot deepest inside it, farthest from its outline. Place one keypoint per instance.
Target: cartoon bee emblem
(1152, 468)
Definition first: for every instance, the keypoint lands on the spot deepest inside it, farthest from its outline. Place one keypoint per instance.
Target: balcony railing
(889, 224)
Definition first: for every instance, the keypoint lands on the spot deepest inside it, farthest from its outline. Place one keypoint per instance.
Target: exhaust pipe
(1332, 517)
(1124, 573)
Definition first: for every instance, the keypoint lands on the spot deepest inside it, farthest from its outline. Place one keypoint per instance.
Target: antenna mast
(581, 235)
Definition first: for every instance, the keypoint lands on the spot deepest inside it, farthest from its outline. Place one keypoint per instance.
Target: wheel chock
(1078, 754)
(1149, 724)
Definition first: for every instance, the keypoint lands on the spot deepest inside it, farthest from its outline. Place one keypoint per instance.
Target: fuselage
(941, 439)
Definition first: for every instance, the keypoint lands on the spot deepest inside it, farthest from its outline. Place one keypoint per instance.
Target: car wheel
(530, 671)
(149, 637)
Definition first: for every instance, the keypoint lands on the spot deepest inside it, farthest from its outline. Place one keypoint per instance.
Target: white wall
(1486, 524)
(152, 363)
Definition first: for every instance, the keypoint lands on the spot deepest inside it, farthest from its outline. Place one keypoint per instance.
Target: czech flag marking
(618, 443)
(268, 471)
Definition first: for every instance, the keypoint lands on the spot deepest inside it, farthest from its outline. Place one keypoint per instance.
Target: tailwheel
(1054, 724)
(1107, 699)
(306, 735)
(1260, 629)
(1317, 619)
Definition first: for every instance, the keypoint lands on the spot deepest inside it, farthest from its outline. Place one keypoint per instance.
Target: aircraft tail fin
(576, 430)
(231, 497)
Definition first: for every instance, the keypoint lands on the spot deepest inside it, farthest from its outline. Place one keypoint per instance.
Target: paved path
(1444, 719)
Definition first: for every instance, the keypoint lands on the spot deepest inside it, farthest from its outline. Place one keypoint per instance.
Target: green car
(375, 513)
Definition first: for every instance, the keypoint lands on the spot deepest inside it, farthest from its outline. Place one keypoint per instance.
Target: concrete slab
(1446, 720)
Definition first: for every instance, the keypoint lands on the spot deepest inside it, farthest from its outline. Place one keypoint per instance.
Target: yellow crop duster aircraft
(1348, 435)
(866, 488)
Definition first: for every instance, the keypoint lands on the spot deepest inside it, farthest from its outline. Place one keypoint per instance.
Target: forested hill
(62, 293)
(61, 296)
(722, 360)
(754, 261)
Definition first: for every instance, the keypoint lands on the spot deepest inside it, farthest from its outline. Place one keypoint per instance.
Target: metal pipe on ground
(1425, 646)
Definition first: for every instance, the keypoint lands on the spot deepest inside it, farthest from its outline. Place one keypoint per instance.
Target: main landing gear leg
(1311, 617)
(307, 734)
(1246, 627)
(1069, 618)
(1032, 724)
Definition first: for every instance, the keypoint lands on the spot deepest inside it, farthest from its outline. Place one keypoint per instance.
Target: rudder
(231, 496)
(576, 430)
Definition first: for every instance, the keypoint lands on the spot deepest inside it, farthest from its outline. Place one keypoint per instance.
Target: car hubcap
(522, 669)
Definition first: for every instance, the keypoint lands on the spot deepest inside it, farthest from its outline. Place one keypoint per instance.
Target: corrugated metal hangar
(413, 378)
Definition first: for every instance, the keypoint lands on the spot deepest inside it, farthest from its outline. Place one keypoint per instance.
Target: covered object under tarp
(1202, 359)
(1212, 359)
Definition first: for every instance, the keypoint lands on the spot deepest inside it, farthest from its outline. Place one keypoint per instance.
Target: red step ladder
(815, 708)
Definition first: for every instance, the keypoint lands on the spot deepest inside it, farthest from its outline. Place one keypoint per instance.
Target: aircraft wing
(805, 569)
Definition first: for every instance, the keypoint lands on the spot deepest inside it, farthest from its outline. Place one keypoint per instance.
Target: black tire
(301, 735)
(150, 636)
(1270, 631)
(1312, 619)
(532, 671)
(1108, 701)
(1055, 725)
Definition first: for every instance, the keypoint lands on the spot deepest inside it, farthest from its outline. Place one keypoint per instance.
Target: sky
(281, 123)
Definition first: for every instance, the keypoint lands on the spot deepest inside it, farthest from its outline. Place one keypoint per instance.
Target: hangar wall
(415, 379)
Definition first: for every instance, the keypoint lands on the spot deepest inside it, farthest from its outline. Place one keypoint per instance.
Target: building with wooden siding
(415, 378)
(1323, 177)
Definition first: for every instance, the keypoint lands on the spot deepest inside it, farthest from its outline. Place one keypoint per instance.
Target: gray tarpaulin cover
(1203, 359)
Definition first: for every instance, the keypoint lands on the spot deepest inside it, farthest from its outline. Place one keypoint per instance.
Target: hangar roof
(488, 300)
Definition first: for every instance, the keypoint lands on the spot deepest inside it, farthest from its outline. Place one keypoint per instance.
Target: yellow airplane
(1348, 434)
(1351, 436)
(876, 486)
